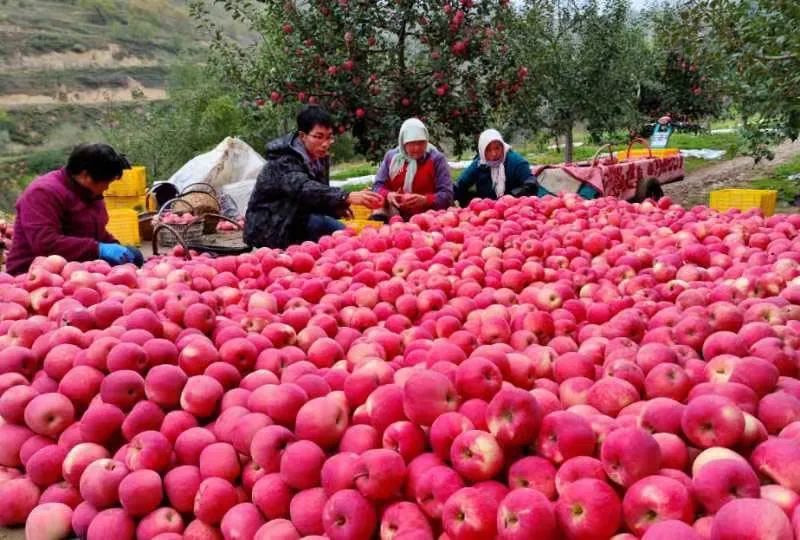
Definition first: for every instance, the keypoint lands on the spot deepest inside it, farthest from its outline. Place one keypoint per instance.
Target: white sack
(230, 162)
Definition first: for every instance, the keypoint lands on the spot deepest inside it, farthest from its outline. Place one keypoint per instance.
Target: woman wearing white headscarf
(496, 171)
(413, 177)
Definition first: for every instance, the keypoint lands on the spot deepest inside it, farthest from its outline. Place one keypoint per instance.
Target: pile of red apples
(6, 234)
(538, 368)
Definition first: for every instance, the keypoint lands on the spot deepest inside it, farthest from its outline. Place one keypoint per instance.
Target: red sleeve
(431, 198)
(40, 218)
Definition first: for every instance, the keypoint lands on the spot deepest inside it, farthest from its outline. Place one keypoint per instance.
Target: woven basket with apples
(176, 218)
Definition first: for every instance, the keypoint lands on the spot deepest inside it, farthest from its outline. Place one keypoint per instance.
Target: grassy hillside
(66, 66)
(152, 29)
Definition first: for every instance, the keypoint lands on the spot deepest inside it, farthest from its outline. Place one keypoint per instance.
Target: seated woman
(496, 171)
(292, 200)
(414, 177)
(63, 213)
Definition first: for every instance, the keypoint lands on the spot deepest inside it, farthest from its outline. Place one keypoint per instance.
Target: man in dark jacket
(292, 200)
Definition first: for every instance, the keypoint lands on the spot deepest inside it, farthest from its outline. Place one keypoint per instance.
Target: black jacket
(286, 192)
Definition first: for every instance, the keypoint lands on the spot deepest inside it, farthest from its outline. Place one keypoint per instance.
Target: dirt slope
(737, 172)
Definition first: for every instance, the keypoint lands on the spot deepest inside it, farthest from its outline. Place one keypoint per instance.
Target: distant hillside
(65, 64)
(71, 51)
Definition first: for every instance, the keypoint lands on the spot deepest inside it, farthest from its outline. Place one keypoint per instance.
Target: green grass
(36, 126)
(789, 168)
(730, 142)
(352, 170)
(779, 180)
(727, 123)
(579, 153)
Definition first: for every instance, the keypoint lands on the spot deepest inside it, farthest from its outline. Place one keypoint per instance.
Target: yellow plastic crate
(361, 212)
(132, 184)
(360, 224)
(643, 152)
(125, 203)
(124, 225)
(744, 199)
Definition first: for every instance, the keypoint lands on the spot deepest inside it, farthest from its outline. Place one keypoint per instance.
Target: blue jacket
(479, 177)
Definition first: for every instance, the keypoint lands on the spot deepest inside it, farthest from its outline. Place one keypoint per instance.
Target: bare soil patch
(737, 172)
(94, 58)
(86, 97)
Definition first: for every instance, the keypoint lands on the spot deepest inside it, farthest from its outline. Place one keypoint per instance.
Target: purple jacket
(56, 216)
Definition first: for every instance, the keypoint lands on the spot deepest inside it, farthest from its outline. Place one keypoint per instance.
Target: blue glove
(114, 253)
(135, 256)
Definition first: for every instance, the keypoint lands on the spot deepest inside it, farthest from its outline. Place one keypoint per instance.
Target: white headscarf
(498, 168)
(412, 130)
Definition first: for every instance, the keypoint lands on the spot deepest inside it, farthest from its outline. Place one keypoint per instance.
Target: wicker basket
(205, 200)
(146, 225)
(190, 232)
(204, 204)
(216, 244)
(168, 236)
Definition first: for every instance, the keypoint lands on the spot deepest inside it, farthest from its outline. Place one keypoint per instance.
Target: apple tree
(374, 63)
(586, 59)
(752, 50)
(680, 88)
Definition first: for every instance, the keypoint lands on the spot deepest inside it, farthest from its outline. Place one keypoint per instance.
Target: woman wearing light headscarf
(413, 177)
(496, 171)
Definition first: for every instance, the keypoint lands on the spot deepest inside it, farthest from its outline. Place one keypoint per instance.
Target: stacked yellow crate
(129, 191)
(744, 199)
(123, 223)
(124, 199)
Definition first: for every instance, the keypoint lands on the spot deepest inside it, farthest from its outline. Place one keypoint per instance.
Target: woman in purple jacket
(63, 213)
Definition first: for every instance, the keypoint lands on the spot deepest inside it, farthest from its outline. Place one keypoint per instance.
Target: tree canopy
(751, 49)
(374, 63)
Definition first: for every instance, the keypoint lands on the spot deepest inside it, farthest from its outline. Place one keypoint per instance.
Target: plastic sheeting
(231, 168)
(704, 153)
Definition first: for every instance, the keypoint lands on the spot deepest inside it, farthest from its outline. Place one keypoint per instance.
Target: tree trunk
(568, 144)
